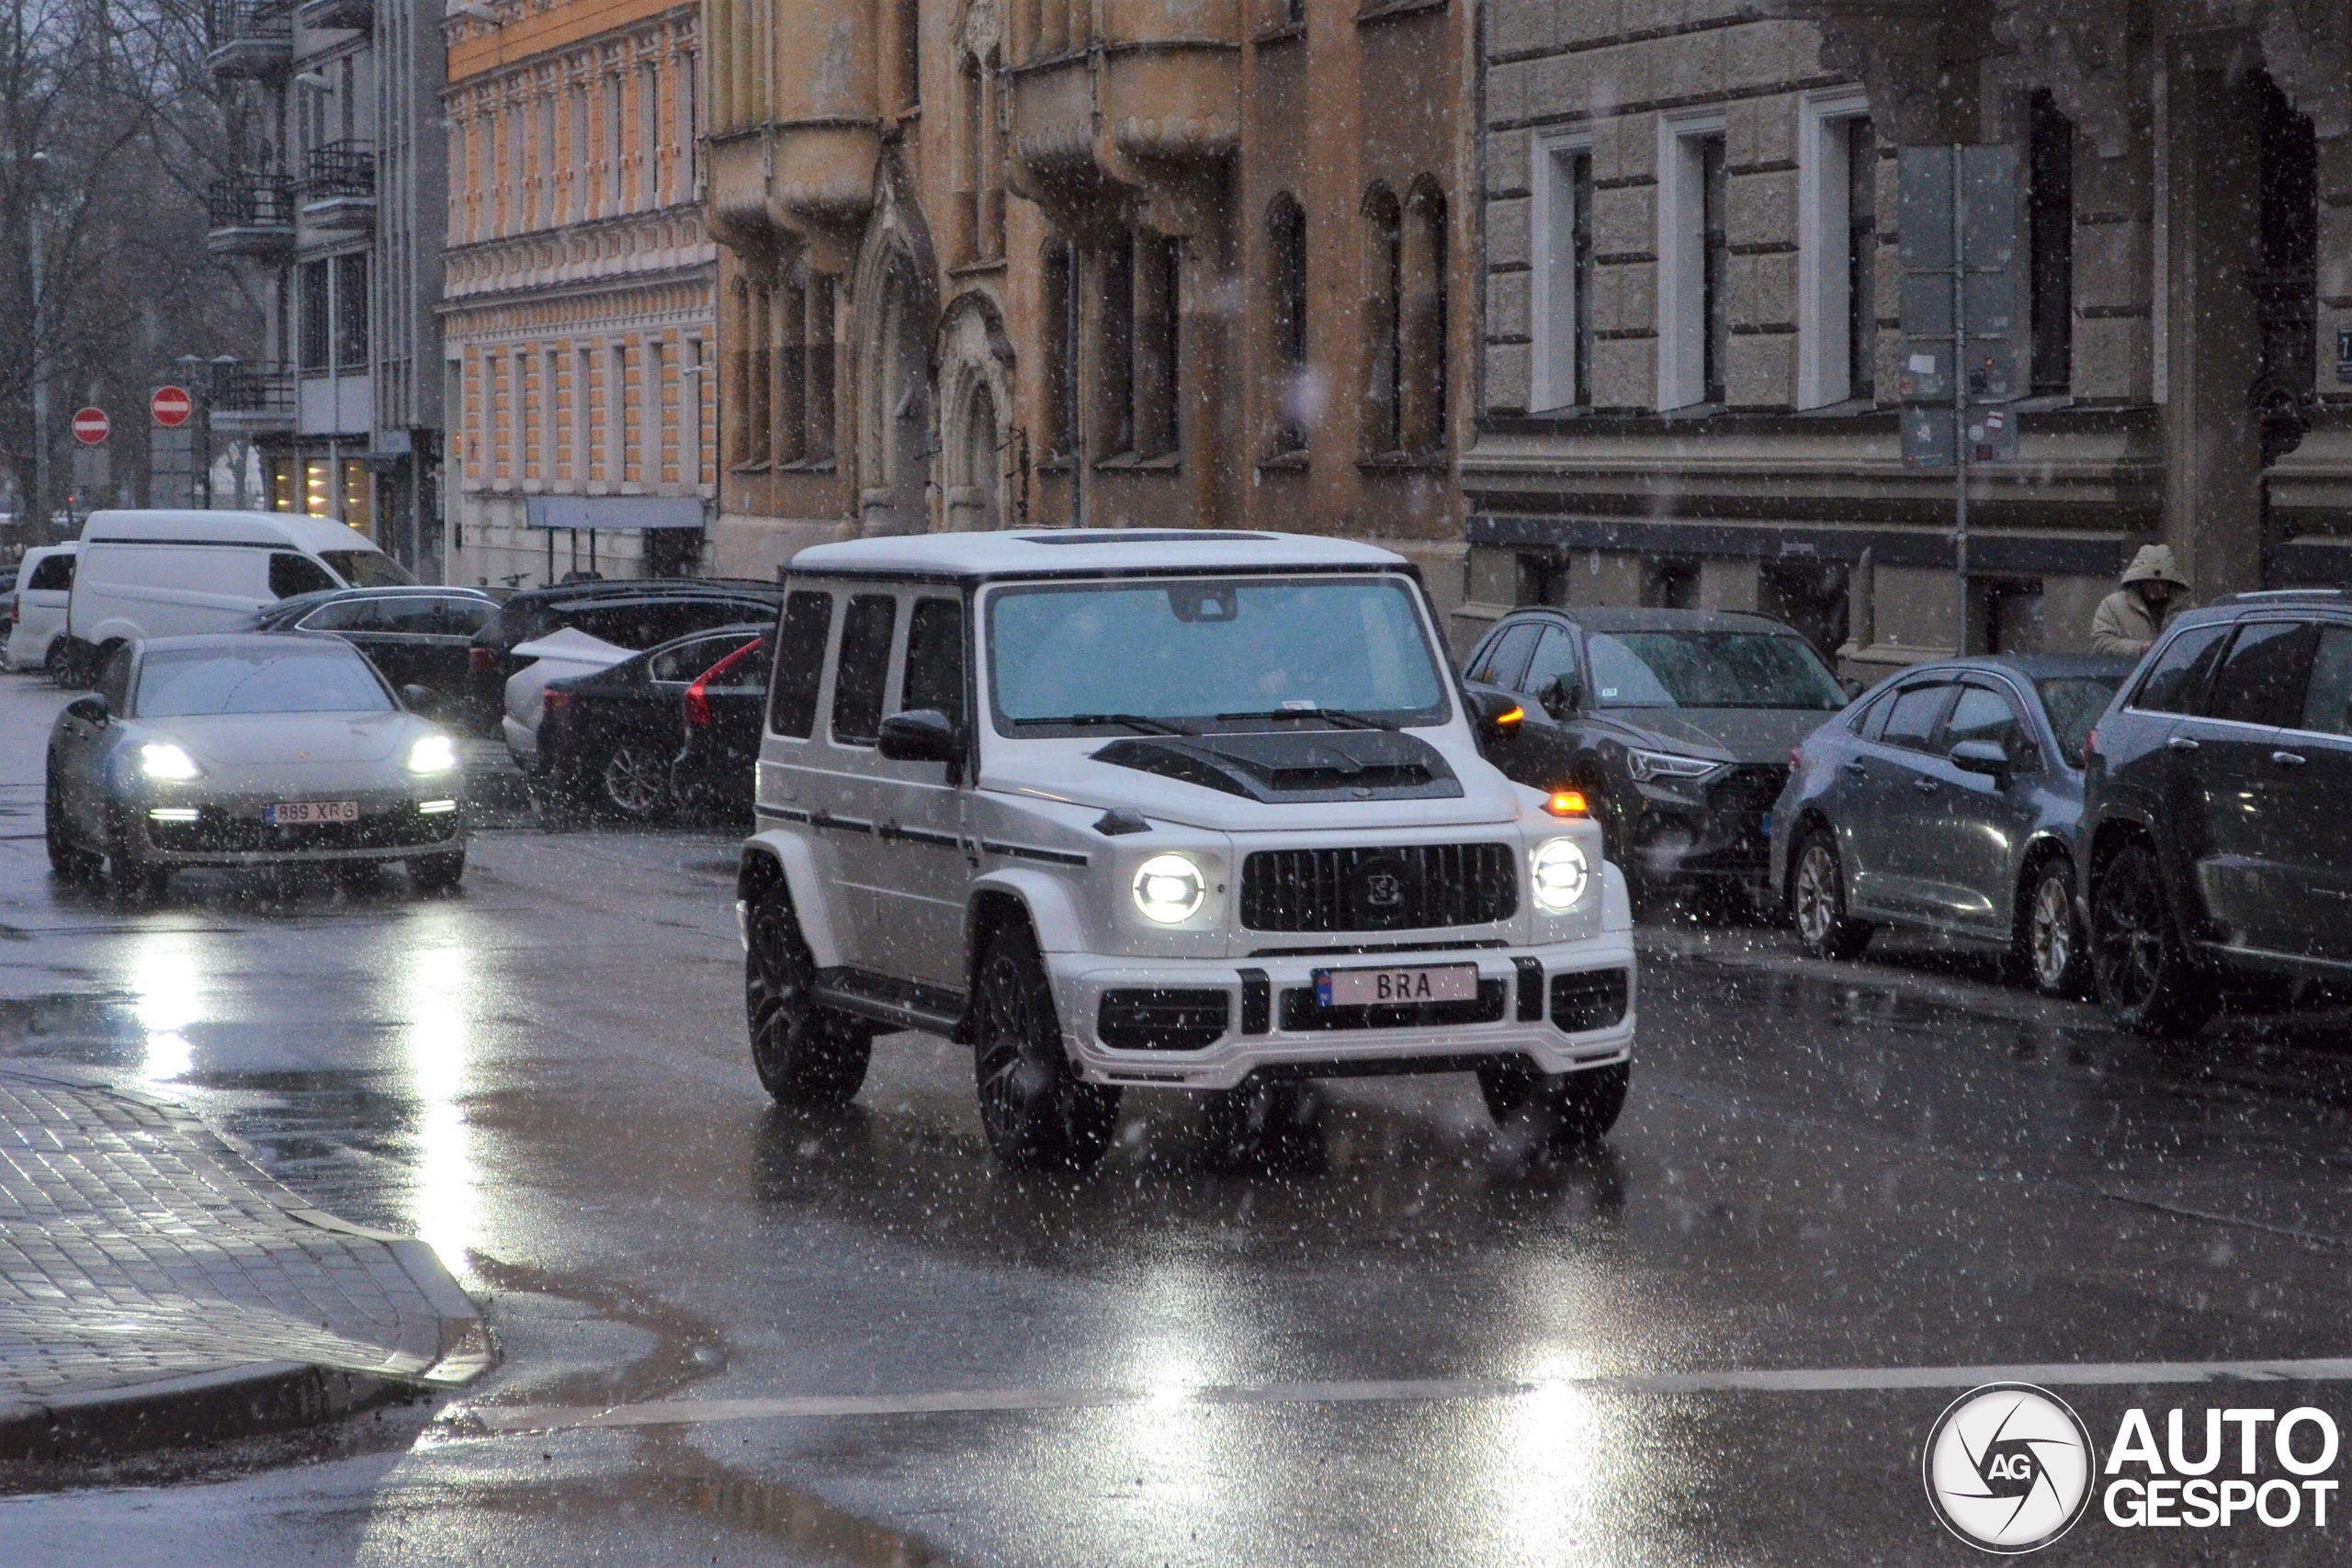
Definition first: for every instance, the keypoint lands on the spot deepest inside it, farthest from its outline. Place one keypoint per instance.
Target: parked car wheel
(2146, 977)
(1037, 1113)
(1817, 901)
(2050, 939)
(634, 780)
(58, 664)
(67, 861)
(808, 1057)
(437, 872)
(1575, 1109)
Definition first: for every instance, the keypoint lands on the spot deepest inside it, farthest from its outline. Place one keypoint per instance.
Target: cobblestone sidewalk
(146, 1266)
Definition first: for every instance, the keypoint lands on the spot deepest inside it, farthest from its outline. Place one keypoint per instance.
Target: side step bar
(901, 1004)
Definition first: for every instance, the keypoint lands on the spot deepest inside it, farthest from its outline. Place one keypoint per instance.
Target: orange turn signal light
(1567, 802)
(1510, 716)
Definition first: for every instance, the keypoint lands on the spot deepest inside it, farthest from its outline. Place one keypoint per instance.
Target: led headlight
(1169, 888)
(162, 760)
(1561, 875)
(434, 754)
(1648, 765)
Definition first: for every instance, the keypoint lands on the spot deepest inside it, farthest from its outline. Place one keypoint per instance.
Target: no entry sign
(171, 406)
(91, 426)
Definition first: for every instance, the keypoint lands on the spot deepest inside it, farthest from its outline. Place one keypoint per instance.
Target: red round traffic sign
(171, 406)
(91, 425)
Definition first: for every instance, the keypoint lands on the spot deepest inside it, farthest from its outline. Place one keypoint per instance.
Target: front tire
(1037, 1113)
(69, 863)
(2146, 978)
(1817, 901)
(1574, 1110)
(808, 1057)
(2050, 949)
(437, 872)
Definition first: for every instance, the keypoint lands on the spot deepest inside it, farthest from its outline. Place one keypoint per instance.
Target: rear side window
(1504, 660)
(800, 664)
(463, 617)
(681, 664)
(53, 575)
(864, 667)
(935, 658)
(347, 615)
(2261, 680)
(2179, 672)
(290, 574)
(2327, 701)
(1912, 718)
(1982, 713)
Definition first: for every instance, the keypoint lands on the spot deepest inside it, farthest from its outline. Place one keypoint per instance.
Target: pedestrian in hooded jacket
(2130, 619)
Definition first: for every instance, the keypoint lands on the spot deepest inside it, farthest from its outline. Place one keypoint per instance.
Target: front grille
(1162, 1020)
(1302, 1013)
(1595, 998)
(218, 832)
(1411, 887)
(1749, 789)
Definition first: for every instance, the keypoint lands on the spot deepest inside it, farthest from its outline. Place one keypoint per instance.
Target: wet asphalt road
(1851, 1169)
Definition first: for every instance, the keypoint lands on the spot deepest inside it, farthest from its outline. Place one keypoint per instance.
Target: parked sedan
(1676, 725)
(725, 711)
(1949, 800)
(248, 749)
(609, 738)
(419, 637)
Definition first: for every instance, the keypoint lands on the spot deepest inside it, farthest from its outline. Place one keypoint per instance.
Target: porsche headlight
(434, 754)
(1561, 875)
(162, 760)
(1169, 890)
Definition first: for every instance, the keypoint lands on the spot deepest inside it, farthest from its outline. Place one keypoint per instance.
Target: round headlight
(162, 760)
(434, 754)
(1169, 888)
(1561, 874)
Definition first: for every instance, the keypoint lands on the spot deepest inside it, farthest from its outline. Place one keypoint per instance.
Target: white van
(37, 611)
(150, 574)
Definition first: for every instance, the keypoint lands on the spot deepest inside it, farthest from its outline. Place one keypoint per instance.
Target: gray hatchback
(1948, 799)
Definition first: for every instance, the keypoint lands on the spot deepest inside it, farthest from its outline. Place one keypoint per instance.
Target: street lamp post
(43, 435)
(200, 439)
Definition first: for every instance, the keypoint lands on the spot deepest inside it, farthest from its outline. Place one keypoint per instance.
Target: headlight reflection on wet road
(169, 981)
(437, 992)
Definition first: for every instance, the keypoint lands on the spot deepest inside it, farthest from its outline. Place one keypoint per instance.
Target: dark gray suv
(2218, 810)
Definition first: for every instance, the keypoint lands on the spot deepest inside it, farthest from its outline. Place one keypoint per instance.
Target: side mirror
(1495, 716)
(1560, 696)
(1986, 757)
(921, 734)
(1853, 685)
(420, 699)
(91, 709)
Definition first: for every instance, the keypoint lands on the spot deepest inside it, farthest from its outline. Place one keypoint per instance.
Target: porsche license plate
(310, 813)
(1390, 988)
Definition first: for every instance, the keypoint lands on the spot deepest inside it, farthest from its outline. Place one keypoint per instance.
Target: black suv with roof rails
(2216, 812)
(637, 614)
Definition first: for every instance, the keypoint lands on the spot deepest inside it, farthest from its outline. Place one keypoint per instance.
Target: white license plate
(309, 812)
(1402, 987)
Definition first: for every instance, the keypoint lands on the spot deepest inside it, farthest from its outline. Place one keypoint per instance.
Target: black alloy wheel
(1571, 1109)
(809, 1057)
(2146, 977)
(68, 863)
(1817, 901)
(1037, 1113)
(634, 780)
(2049, 947)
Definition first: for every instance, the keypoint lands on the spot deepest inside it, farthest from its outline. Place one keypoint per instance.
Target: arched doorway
(978, 501)
(896, 461)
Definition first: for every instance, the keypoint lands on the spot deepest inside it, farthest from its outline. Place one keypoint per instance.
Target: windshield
(1710, 670)
(258, 679)
(367, 568)
(1191, 652)
(2074, 706)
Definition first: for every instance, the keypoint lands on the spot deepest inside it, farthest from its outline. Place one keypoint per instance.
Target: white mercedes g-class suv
(1197, 810)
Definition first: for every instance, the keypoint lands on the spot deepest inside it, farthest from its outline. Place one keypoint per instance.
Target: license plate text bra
(1401, 986)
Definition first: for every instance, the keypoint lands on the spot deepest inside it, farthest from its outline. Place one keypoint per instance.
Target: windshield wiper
(1345, 718)
(1132, 720)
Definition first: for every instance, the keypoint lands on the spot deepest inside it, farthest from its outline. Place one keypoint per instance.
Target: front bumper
(1297, 1039)
(235, 835)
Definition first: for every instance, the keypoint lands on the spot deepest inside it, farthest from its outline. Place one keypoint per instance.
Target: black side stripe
(921, 836)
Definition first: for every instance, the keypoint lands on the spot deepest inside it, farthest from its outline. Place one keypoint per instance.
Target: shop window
(1812, 595)
(1671, 583)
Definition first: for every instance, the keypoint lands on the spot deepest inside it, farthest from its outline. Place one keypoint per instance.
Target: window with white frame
(1561, 302)
(1693, 263)
(1838, 252)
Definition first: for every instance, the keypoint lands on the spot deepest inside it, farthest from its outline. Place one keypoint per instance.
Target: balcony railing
(251, 397)
(251, 38)
(250, 214)
(339, 186)
(326, 14)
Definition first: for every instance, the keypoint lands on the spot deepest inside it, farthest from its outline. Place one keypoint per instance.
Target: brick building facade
(580, 337)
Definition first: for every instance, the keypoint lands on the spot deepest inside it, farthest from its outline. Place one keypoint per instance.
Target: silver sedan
(247, 750)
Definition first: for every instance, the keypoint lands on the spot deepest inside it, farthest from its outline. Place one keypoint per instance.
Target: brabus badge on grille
(1384, 889)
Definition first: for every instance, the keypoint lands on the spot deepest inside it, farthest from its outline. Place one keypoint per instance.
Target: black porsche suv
(2218, 810)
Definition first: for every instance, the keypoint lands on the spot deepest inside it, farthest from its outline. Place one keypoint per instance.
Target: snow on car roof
(1089, 552)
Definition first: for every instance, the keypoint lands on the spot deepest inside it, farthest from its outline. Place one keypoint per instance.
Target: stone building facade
(1690, 275)
(580, 337)
(1038, 263)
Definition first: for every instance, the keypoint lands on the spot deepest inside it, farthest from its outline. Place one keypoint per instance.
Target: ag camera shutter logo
(2008, 1468)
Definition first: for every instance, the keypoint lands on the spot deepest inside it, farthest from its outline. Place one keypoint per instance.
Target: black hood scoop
(1295, 767)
